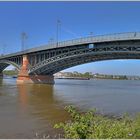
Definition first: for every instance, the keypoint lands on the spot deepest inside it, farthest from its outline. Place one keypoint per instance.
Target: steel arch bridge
(39, 64)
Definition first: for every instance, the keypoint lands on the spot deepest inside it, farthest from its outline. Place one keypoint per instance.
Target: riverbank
(90, 125)
(90, 75)
(73, 78)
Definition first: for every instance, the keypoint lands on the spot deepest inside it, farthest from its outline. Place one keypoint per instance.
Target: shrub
(89, 125)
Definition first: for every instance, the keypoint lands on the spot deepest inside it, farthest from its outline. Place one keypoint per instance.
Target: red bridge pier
(24, 77)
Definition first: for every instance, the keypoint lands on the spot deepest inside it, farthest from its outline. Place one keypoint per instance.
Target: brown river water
(31, 110)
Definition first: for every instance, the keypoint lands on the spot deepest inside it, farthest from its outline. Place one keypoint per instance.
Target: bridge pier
(24, 77)
(38, 79)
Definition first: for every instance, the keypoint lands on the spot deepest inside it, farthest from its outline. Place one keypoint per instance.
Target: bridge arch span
(5, 63)
(65, 61)
(80, 62)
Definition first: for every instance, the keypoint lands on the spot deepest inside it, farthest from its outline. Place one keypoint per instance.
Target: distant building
(58, 74)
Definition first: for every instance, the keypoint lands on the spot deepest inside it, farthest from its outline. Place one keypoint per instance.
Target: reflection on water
(43, 103)
(23, 98)
(30, 109)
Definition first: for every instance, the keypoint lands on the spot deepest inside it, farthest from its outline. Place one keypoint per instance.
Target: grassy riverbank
(10, 72)
(90, 125)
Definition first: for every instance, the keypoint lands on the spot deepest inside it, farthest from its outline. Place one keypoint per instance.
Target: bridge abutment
(24, 77)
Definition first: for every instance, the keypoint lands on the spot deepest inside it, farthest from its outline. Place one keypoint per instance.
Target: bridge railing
(85, 40)
(92, 39)
(100, 38)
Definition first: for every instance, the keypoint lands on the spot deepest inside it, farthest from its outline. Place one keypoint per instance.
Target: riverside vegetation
(91, 125)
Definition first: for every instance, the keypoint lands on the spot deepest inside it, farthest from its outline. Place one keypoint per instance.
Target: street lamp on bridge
(51, 41)
(23, 38)
(3, 49)
(91, 34)
(57, 31)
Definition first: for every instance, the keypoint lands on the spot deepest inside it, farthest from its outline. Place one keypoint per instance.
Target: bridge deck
(80, 41)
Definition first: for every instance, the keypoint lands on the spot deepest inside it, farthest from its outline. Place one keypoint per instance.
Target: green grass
(89, 125)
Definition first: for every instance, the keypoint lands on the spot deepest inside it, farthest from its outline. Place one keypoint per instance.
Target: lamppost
(91, 34)
(51, 41)
(3, 49)
(57, 31)
(23, 38)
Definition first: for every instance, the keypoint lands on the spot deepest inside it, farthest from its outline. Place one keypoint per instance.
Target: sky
(78, 19)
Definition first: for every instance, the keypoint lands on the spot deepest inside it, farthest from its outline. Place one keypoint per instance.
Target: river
(31, 110)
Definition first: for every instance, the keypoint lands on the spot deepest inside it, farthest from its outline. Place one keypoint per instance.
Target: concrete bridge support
(24, 77)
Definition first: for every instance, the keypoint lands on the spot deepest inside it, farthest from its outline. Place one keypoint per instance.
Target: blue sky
(78, 19)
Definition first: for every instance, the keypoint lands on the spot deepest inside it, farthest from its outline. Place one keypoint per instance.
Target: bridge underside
(2, 67)
(44, 72)
(88, 59)
(68, 62)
